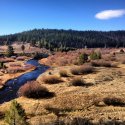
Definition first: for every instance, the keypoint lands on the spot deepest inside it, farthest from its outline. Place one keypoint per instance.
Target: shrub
(1, 64)
(101, 63)
(113, 101)
(16, 115)
(75, 71)
(21, 58)
(83, 58)
(78, 82)
(10, 51)
(63, 73)
(32, 89)
(15, 65)
(15, 69)
(85, 69)
(95, 55)
(121, 51)
(51, 79)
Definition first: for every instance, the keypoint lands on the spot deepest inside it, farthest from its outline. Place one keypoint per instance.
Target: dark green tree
(23, 48)
(16, 115)
(10, 51)
(83, 58)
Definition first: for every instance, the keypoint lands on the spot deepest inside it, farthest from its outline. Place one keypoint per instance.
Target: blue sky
(20, 15)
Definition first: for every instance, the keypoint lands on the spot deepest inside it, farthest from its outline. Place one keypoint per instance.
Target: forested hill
(65, 39)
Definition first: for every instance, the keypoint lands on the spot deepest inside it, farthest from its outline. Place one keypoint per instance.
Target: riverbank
(13, 72)
(12, 86)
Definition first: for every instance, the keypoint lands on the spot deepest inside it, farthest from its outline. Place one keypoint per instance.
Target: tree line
(54, 39)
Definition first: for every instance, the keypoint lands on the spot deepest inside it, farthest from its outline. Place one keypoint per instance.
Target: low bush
(21, 58)
(75, 71)
(85, 69)
(51, 79)
(95, 55)
(78, 82)
(15, 69)
(1, 64)
(101, 63)
(121, 51)
(63, 73)
(33, 89)
(113, 101)
(15, 64)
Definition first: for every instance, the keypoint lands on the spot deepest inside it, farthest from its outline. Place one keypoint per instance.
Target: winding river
(11, 87)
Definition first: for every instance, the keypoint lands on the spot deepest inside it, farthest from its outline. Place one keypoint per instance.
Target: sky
(22, 15)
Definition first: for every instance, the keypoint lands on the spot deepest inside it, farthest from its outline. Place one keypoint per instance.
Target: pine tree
(83, 58)
(10, 51)
(16, 115)
(23, 48)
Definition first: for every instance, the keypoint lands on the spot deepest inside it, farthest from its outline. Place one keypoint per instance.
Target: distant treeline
(67, 39)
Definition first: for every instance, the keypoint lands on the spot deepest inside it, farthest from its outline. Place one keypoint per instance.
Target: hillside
(67, 39)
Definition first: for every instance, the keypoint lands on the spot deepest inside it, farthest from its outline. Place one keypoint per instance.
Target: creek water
(12, 86)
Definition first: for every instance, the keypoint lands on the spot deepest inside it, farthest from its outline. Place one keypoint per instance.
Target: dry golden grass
(75, 104)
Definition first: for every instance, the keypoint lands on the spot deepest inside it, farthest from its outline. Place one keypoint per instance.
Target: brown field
(28, 48)
(101, 99)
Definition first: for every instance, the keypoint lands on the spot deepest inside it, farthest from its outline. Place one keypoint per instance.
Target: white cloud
(108, 14)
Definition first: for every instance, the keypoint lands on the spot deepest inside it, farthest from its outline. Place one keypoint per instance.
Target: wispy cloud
(108, 14)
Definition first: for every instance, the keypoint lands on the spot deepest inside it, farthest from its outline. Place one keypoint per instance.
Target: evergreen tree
(16, 115)
(23, 48)
(62, 39)
(83, 58)
(10, 51)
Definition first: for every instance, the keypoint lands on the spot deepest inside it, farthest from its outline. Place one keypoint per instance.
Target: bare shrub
(121, 51)
(63, 73)
(21, 58)
(78, 82)
(33, 89)
(101, 63)
(113, 101)
(75, 71)
(51, 79)
(85, 69)
(5, 60)
(15, 69)
(15, 64)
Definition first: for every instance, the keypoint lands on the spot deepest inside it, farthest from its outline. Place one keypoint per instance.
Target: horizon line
(60, 29)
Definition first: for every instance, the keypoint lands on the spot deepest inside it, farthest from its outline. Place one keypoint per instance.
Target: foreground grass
(100, 103)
